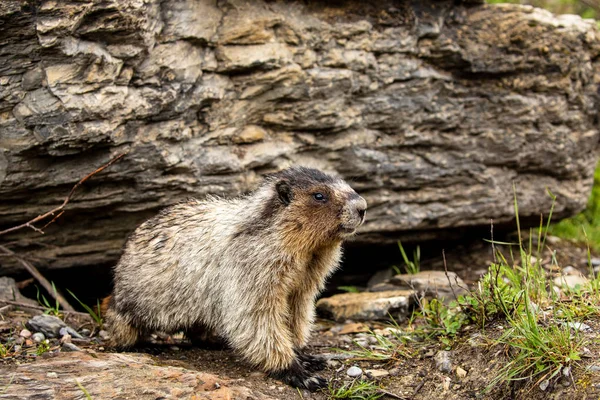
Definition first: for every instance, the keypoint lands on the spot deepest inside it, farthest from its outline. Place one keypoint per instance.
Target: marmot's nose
(361, 208)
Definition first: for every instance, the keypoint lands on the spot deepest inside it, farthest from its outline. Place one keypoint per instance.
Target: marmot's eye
(319, 197)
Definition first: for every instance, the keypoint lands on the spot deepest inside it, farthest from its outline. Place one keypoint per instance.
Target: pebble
(461, 373)
(593, 368)
(38, 337)
(544, 385)
(69, 331)
(394, 371)
(25, 333)
(85, 332)
(17, 348)
(566, 371)
(51, 375)
(377, 373)
(103, 335)
(570, 270)
(70, 347)
(443, 362)
(595, 262)
(585, 352)
(354, 372)
(333, 363)
(20, 340)
(65, 339)
(174, 348)
(579, 326)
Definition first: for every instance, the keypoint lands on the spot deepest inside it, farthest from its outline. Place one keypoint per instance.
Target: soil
(411, 374)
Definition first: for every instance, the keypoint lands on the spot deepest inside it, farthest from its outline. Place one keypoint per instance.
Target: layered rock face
(431, 109)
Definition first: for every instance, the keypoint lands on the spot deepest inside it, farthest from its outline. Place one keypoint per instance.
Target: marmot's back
(249, 268)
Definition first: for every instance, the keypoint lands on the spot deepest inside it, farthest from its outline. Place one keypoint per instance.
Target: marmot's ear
(285, 192)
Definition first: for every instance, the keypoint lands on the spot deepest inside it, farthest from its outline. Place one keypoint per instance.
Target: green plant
(410, 266)
(85, 392)
(49, 309)
(349, 289)
(42, 347)
(96, 315)
(356, 389)
(3, 351)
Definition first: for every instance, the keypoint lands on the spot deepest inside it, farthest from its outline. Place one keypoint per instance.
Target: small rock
(353, 328)
(437, 284)
(446, 384)
(443, 362)
(595, 262)
(579, 326)
(354, 372)
(47, 324)
(85, 332)
(65, 339)
(51, 375)
(25, 333)
(20, 340)
(394, 371)
(380, 277)
(333, 363)
(67, 330)
(566, 371)
(570, 270)
(544, 385)
(17, 348)
(585, 352)
(103, 335)
(377, 373)
(70, 347)
(461, 373)
(38, 337)
(571, 281)
(593, 368)
(362, 342)
(174, 348)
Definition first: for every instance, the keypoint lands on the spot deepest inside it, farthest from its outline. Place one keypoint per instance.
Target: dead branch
(59, 209)
(40, 278)
(448, 276)
(25, 305)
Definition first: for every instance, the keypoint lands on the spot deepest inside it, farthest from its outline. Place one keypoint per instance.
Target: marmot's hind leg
(122, 334)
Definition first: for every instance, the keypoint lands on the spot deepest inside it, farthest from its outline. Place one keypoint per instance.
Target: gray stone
(544, 385)
(68, 346)
(571, 281)
(443, 362)
(433, 117)
(354, 372)
(49, 325)
(595, 262)
(432, 283)
(579, 326)
(38, 337)
(67, 330)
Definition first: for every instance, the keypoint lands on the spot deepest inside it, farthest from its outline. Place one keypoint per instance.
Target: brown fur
(247, 268)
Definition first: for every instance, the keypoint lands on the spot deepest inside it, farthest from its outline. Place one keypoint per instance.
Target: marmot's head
(315, 208)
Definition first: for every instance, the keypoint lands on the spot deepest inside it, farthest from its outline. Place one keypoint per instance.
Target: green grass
(3, 351)
(585, 226)
(42, 347)
(410, 266)
(538, 342)
(357, 389)
(51, 309)
(96, 315)
(85, 392)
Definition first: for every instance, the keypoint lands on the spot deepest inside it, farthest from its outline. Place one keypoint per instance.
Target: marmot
(247, 268)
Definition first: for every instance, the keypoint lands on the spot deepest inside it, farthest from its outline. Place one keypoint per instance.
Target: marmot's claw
(311, 363)
(298, 376)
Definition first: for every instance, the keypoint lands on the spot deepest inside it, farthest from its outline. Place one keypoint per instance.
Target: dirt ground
(411, 374)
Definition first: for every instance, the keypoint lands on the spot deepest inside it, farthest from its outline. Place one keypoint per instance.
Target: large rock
(111, 376)
(432, 108)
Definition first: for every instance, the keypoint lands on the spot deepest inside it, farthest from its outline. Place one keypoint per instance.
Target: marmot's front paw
(310, 362)
(298, 376)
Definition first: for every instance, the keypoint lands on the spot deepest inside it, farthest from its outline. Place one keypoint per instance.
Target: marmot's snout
(354, 213)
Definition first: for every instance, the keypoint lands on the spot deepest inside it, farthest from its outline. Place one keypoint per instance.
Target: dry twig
(59, 209)
(40, 278)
